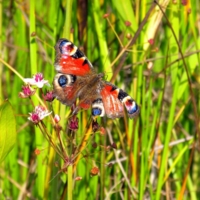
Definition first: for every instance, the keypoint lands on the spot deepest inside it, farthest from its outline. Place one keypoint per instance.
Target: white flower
(38, 114)
(37, 80)
(56, 118)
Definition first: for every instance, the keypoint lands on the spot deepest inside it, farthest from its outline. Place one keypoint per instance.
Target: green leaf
(126, 13)
(7, 129)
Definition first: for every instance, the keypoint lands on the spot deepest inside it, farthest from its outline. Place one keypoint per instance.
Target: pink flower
(49, 96)
(27, 91)
(37, 80)
(73, 123)
(38, 114)
(184, 2)
(151, 41)
(127, 23)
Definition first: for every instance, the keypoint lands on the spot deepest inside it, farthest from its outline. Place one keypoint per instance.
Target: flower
(151, 41)
(189, 11)
(27, 91)
(56, 118)
(94, 145)
(184, 2)
(37, 80)
(113, 145)
(102, 130)
(128, 36)
(78, 178)
(38, 114)
(106, 15)
(37, 151)
(73, 123)
(95, 126)
(94, 171)
(34, 117)
(49, 96)
(33, 34)
(149, 65)
(127, 23)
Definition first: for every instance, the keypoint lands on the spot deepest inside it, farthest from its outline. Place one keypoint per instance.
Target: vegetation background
(154, 57)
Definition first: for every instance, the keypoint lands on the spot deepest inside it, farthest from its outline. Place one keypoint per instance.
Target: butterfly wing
(114, 100)
(74, 71)
(70, 60)
(65, 88)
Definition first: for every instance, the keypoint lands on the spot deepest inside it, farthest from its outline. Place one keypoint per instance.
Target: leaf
(126, 13)
(7, 129)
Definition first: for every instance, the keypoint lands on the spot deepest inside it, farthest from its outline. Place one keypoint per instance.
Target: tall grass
(152, 52)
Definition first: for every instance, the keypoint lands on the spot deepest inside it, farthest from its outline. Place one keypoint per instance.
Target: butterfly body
(77, 79)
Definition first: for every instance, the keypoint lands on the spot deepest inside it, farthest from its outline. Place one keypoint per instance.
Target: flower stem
(82, 145)
(70, 183)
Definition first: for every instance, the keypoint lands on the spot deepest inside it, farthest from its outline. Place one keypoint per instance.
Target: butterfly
(77, 79)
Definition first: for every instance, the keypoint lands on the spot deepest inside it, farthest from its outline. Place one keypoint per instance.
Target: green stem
(33, 47)
(67, 26)
(70, 183)
(167, 139)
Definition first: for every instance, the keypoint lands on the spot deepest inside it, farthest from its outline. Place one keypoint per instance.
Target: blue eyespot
(62, 81)
(96, 111)
(63, 42)
(132, 109)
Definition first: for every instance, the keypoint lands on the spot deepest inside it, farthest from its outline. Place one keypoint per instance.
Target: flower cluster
(38, 114)
(41, 111)
(37, 80)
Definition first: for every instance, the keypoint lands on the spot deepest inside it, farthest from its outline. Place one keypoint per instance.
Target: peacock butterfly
(77, 79)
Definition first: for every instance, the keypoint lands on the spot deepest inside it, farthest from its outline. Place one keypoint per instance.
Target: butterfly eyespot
(66, 47)
(68, 79)
(96, 111)
(62, 80)
(133, 109)
(131, 106)
(98, 108)
(63, 42)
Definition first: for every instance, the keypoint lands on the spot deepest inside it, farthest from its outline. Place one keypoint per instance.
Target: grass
(149, 50)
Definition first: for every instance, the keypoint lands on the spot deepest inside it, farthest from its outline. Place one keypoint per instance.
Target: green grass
(157, 152)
